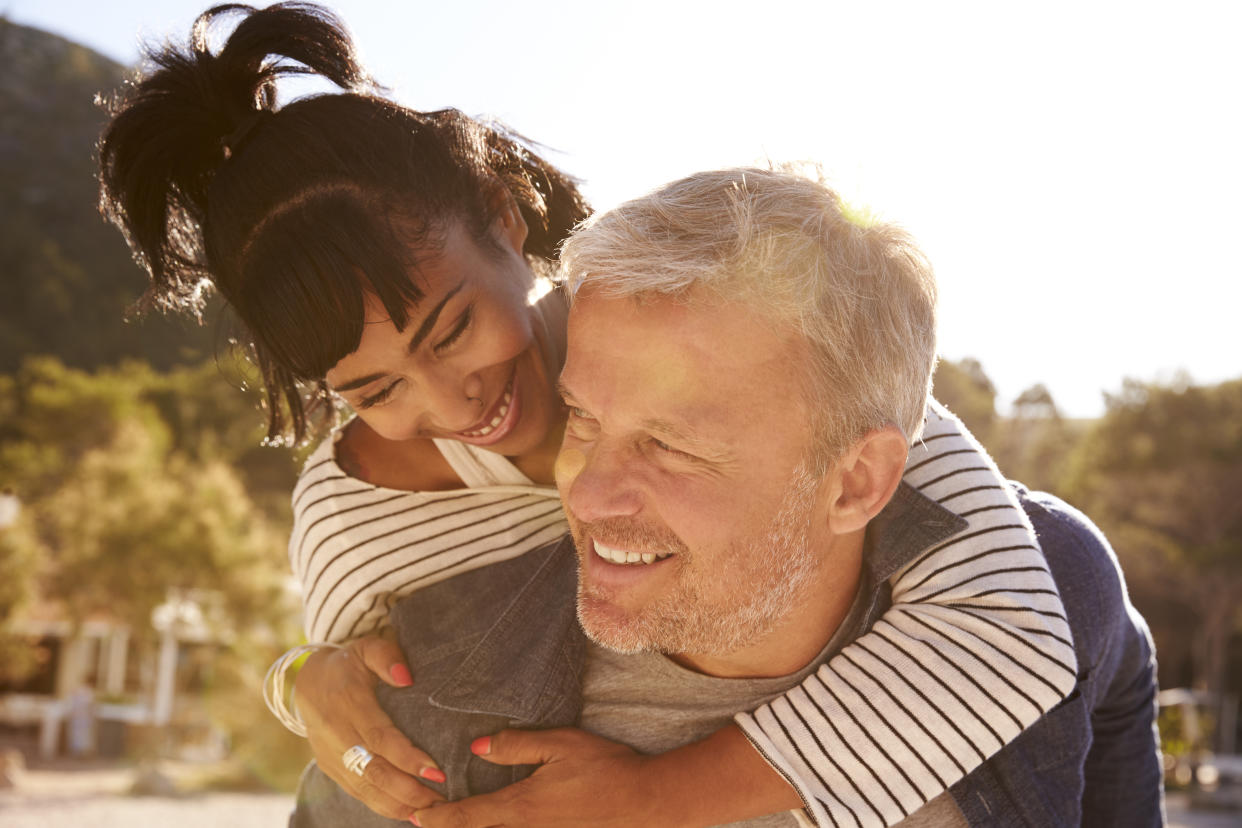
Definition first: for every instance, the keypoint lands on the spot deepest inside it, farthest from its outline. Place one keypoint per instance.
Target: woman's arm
(584, 779)
(361, 538)
(973, 650)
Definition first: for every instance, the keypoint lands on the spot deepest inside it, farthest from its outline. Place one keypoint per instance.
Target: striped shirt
(974, 648)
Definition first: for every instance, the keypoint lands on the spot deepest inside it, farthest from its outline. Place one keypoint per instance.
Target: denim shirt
(501, 647)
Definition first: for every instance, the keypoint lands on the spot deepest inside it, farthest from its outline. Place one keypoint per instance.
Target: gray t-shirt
(653, 704)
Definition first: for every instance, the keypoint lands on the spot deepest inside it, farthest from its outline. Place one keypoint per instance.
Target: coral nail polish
(401, 675)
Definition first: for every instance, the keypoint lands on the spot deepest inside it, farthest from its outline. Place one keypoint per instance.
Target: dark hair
(294, 214)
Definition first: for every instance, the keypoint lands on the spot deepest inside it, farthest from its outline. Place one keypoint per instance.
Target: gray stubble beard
(782, 568)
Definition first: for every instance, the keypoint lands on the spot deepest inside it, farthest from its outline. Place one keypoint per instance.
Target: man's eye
(578, 413)
(378, 397)
(667, 449)
(462, 325)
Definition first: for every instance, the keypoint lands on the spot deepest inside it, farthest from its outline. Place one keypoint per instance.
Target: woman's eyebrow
(429, 323)
(424, 330)
(358, 382)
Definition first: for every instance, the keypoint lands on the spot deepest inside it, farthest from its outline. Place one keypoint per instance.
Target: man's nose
(600, 481)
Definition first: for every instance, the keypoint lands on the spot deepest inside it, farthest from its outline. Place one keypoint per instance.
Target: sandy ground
(103, 811)
(97, 796)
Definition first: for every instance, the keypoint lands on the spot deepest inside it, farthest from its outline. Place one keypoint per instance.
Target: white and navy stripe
(356, 547)
(974, 648)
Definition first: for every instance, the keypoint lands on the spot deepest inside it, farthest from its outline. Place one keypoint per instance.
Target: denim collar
(910, 525)
(537, 638)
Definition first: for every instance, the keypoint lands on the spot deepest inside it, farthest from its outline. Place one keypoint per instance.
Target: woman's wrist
(722, 778)
(276, 688)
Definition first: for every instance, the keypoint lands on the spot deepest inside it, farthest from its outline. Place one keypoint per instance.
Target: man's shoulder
(1062, 769)
(455, 613)
(1082, 562)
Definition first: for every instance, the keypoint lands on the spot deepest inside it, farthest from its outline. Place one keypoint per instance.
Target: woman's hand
(335, 697)
(584, 779)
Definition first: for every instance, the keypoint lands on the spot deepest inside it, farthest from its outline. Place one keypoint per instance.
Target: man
(740, 410)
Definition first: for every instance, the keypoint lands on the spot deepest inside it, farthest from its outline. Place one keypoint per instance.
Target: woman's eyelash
(378, 397)
(460, 328)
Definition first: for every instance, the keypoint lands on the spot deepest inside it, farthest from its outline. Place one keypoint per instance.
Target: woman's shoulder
(359, 454)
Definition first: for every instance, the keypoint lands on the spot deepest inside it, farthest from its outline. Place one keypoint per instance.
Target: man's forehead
(678, 363)
(642, 336)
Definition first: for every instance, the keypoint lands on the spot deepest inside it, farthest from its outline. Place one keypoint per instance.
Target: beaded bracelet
(274, 685)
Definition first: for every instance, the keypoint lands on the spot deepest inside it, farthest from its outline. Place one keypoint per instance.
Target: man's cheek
(569, 464)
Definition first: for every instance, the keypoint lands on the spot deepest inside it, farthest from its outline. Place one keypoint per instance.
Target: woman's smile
(498, 422)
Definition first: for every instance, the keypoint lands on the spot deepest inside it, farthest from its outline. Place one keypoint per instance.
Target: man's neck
(800, 637)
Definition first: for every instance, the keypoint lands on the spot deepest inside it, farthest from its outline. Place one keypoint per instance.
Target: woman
(397, 260)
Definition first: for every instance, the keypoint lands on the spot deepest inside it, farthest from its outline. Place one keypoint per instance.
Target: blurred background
(1072, 170)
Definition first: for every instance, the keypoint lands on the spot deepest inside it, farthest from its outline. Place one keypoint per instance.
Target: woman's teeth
(621, 556)
(500, 415)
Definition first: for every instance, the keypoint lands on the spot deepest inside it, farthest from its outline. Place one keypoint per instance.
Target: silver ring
(356, 759)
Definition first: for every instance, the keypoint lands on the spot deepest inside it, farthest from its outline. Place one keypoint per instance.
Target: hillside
(68, 279)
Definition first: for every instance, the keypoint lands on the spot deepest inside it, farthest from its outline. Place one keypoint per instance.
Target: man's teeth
(500, 415)
(621, 556)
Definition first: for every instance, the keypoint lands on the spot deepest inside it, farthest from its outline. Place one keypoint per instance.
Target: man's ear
(508, 224)
(864, 479)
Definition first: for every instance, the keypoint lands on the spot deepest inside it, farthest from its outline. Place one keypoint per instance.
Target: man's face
(684, 458)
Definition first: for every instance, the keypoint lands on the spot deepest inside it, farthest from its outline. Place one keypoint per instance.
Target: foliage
(18, 558)
(69, 278)
(1160, 473)
(1035, 442)
(264, 753)
(966, 390)
(135, 483)
(1032, 445)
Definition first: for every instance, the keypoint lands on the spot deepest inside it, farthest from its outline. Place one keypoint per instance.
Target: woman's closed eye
(378, 397)
(459, 329)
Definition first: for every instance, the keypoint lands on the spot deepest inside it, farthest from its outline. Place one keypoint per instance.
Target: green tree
(135, 483)
(137, 486)
(68, 277)
(1161, 474)
(1034, 444)
(18, 566)
(965, 388)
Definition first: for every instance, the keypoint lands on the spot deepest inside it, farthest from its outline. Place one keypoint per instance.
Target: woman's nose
(452, 403)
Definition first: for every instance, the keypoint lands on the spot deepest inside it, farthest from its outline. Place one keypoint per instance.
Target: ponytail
(172, 130)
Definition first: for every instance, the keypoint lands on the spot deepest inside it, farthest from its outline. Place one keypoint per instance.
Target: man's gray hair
(860, 291)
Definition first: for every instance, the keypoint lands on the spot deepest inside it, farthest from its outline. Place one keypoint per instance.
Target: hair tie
(232, 142)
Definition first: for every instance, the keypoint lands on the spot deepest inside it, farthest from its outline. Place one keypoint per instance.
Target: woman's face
(475, 361)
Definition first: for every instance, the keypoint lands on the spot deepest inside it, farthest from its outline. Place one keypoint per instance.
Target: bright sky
(1073, 169)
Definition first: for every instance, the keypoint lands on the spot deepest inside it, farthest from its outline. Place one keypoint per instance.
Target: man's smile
(617, 555)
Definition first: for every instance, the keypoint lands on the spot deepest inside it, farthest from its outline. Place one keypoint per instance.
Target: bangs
(309, 269)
